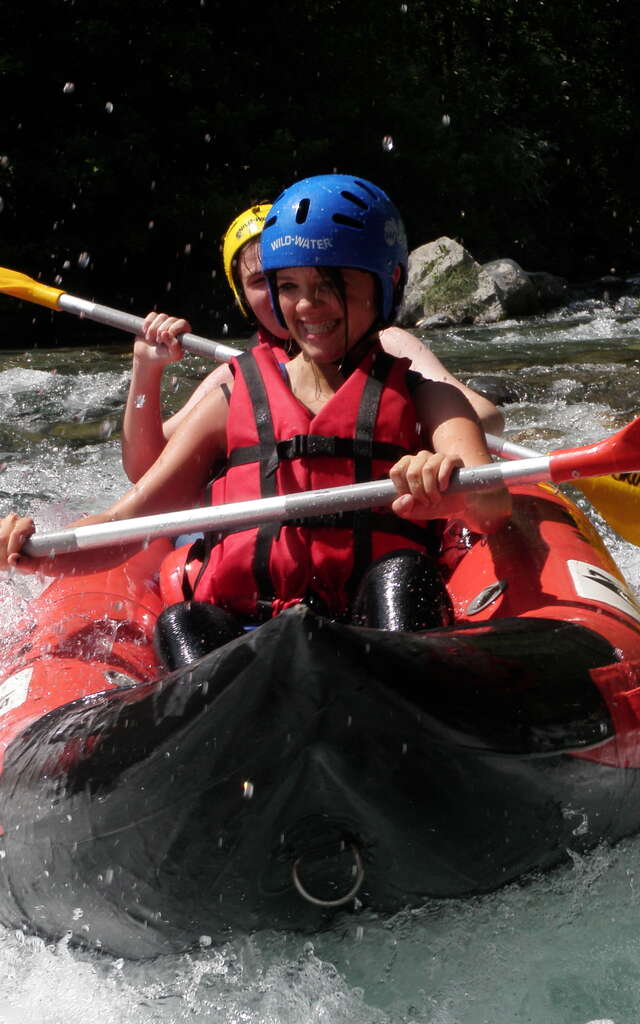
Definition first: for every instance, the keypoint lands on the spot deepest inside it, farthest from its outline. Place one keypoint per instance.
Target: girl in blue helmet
(145, 433)
(334, 239)
(334, 251)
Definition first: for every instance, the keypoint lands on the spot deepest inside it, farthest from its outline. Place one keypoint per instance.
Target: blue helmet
(337, 220)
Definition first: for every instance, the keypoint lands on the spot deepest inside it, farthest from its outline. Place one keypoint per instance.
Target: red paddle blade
(619, 453)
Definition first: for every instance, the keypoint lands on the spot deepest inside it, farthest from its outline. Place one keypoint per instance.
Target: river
(561, 948)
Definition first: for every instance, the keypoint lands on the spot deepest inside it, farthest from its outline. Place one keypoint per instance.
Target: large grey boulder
(446, 285)
(444, 278)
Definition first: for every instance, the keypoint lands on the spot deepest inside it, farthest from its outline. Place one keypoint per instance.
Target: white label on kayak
(597, 584)
(14, 690)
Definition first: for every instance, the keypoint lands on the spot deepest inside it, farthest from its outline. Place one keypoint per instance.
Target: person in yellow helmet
(144, 433)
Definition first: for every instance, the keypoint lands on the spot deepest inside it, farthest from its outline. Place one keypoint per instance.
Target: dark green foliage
(216, 105)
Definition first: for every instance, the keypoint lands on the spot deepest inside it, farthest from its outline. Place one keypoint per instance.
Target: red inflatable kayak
(310, 767)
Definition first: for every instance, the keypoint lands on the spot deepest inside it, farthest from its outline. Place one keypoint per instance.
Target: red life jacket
(277, 446)
(277, 345)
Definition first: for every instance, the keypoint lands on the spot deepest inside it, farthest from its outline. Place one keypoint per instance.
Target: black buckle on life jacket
(295, 447)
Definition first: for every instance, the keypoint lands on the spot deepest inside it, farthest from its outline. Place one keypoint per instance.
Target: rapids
(555, 949)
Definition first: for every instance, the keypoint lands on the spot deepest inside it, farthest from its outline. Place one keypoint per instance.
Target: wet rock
(437, 321)
(497, 389)
(517, 292)
(446, 286)
(445, 279)
(551, 289)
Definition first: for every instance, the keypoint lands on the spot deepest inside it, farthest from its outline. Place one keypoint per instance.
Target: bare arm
(451, 428)
(221, 375)
(174, 481)
(399, 342)
(144, 434)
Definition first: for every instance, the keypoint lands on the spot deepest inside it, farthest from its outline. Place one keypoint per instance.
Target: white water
(563, 948)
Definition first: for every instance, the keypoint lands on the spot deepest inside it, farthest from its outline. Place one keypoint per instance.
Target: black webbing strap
(197, 552)
(363, 460)
(268, 489)
(385, 522)
(302, 446)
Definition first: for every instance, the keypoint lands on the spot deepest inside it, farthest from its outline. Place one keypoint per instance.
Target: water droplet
(66, 264)
(78, 912)
(140, 400)
(446, 120)
(68, 87)
(109, 108)
(387, 143)
(151, 225)
(247, 789)
(84, 260)
(4, 161)
(1, 204)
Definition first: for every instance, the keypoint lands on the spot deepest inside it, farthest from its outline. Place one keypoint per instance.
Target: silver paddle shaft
(245, 514)
(133, 325)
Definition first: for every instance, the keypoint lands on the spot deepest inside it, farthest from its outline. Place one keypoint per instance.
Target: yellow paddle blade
(23, 287)
(617, 499)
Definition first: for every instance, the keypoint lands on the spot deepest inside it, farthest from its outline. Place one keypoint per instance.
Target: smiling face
(254, 287)
(324, 324)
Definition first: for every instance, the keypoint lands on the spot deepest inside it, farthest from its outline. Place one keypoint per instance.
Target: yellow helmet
(243, 229)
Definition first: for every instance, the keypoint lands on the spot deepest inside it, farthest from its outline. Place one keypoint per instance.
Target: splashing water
(560, 948)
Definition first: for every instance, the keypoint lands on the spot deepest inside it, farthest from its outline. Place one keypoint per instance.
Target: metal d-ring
(353, 891)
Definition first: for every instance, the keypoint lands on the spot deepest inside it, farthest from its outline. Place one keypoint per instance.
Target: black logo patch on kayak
(596, 584)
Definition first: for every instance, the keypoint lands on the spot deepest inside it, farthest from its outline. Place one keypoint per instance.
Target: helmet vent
(355, 199)
(367, 188)
(348, 222)
(303, 211)
(270, 221)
